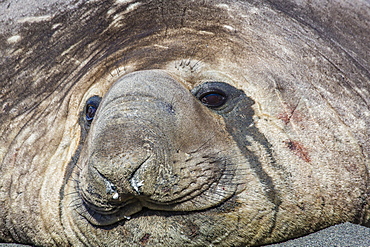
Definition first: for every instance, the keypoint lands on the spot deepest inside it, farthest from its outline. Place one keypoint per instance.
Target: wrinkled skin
(108, 137)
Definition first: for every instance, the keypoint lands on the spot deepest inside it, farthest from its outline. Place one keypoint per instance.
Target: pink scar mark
(298, 149)
(291, 113)
(287, 116)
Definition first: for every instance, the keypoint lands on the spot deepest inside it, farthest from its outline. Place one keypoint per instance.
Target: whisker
(77, 199)
(78, 167)
(74, 180)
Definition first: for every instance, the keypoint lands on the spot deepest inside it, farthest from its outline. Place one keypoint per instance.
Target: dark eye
(220, 97)
(213, 99)
(90, 112)
(92, 105)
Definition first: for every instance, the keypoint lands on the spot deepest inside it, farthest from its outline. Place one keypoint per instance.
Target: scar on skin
(298, 149)
(287, 115)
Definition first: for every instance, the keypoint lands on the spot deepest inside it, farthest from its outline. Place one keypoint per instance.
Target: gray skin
(284, 152)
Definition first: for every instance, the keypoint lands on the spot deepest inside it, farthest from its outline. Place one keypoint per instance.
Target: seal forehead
(145, 81)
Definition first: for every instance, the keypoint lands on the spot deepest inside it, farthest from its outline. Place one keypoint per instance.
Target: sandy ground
(343, 235)
(346, 234)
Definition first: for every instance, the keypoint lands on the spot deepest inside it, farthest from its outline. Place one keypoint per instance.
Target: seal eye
(213, 99)
(90, 112)
(92, 105)
(218, 96)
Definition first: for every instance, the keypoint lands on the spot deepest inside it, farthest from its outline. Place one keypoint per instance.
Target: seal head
(183, 123)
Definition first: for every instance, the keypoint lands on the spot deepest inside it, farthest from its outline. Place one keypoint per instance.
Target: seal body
(229, 123)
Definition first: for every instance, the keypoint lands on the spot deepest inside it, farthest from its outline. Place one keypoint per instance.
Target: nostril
(137, 177)
(136, 184)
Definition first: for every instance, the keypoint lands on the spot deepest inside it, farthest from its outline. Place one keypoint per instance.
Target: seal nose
(126, 166)
(131, 138)
(112, 177)
(134, 163)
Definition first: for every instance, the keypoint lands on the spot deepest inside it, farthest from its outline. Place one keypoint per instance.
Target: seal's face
(155, 150)
(153, 144)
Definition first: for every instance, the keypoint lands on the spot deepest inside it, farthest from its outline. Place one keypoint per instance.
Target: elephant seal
(192, 123)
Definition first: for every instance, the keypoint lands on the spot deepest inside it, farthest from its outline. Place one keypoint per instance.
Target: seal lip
(99, 218)
(106, 213)
(102, 209)
(103, 216)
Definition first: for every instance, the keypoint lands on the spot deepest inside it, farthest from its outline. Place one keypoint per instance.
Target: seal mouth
(100, 210)
(102, 214)
(109, 215)
(105, 201)
(103, 208)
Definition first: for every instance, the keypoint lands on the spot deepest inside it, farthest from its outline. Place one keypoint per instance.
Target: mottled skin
(286, 155)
